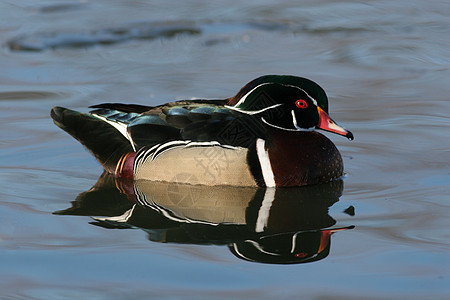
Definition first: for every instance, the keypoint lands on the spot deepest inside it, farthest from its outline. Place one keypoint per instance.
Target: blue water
(385, 66)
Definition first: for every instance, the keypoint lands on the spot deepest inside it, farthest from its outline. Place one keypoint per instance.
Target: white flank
(264, 210)
(121, 127)
(186, 144)
(154, 152)
(212, 143)
(167, 146)
(264, 161)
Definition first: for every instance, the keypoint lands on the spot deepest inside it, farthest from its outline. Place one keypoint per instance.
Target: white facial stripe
(264, 161)
(313, 100)
(245, 96)
(294, 119)
(252, 112)
(275, 126)
(288, 129)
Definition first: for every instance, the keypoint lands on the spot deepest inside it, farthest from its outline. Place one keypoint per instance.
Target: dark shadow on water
(213, 32)
(106, 36)
(282, 226)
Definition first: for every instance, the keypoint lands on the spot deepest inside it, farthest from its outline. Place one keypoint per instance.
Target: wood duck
(263, 136)
(265, 225)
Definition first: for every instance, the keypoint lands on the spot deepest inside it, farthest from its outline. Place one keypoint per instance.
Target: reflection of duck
(286, 247)
(266, 225)
(263, 136)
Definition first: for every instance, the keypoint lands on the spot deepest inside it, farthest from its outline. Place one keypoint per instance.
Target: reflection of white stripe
(119, 219)
(264, 210)
(264, 161)
(294, 241)
(121, 127)
(258, 246)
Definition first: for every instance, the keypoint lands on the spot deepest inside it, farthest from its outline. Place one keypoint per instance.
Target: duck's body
(263, 136)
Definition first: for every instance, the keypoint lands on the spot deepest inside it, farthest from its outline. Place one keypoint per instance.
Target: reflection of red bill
(327, 124)
(325, 236)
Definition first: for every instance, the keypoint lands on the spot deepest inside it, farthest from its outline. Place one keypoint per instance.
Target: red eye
(301, 104)
(301, 254)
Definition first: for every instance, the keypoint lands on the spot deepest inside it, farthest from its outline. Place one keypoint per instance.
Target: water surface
(385, 66)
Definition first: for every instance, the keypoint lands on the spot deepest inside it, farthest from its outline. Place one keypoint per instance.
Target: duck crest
(263, 136)
(309, 86)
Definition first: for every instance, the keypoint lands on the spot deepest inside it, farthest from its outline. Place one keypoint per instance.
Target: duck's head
(288, 103)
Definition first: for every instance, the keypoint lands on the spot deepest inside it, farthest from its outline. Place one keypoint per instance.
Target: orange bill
(327, 124)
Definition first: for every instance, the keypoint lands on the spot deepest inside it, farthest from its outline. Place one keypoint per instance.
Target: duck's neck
(302, 158)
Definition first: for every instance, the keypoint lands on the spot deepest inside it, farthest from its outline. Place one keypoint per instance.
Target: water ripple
(46, 40)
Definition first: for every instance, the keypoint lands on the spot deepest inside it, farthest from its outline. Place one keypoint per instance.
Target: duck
(264, 136)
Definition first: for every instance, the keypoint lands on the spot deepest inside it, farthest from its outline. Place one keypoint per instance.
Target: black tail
(104, 141)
